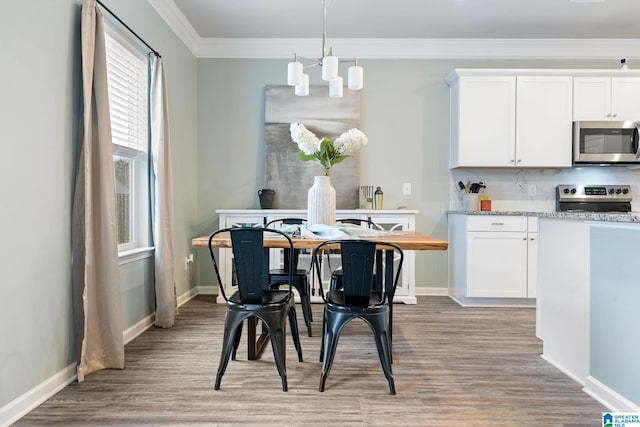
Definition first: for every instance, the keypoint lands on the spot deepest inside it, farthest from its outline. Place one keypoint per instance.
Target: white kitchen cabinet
(492, 259)
(509, 121)
(389, 219)
(483, 113)
(606, 98)
(543, 121)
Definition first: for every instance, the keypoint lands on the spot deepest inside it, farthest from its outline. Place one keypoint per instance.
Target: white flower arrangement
(326, 152)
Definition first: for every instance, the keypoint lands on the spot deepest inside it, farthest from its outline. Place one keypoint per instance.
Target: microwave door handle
(635, 140)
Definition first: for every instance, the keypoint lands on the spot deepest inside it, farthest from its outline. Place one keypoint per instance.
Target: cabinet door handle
(532, 239)
(524, 238)
(497, 223)
(609, 115)
(511, 161)
(519, 160)
(615, 114)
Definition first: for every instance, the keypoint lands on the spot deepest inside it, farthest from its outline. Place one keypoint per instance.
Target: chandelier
(329, 63)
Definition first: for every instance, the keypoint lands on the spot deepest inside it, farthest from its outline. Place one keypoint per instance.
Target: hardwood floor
(453, 366)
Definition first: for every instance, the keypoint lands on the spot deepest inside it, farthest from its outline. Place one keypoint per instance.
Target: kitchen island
(587, 306)
(587, 299)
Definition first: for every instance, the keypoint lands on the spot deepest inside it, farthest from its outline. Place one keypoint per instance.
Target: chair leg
(378, 323)
(276, 324)
(236, 341)
(324, 331)
(231, 323)
(305, 302)
(335, 322)
(293, 322)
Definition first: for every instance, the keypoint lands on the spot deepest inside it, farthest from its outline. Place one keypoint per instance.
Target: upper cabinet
(511, 121)
(606, 98)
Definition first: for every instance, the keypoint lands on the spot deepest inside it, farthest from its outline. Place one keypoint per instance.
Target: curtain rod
(155, 52)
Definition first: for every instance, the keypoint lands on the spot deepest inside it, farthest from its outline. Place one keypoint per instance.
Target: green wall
(405, 114)
(40, 115)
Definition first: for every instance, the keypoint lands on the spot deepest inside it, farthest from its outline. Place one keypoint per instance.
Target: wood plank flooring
(453, 366)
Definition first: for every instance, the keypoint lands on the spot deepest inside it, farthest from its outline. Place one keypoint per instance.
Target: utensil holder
(470, 202)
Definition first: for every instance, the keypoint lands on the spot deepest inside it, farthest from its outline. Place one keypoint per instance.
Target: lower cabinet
(492, 259)
(401, 220)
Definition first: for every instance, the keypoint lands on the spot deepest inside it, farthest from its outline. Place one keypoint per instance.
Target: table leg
(255, 346)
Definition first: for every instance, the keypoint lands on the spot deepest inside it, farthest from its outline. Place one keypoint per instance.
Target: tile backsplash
(509, 189)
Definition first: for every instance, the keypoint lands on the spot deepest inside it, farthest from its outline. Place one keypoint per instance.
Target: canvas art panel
(322, 115)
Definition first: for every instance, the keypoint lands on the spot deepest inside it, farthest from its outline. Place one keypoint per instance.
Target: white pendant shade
(355, 80)
(335, 88)
(329, 65)
(302, 88)
(329, 68)
(294, 73)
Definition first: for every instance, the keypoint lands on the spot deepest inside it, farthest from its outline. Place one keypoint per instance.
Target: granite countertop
(587, 216)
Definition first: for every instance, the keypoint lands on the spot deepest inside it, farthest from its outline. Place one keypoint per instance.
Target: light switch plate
(406, 189)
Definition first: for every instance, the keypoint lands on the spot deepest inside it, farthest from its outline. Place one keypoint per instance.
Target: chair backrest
(251, 259)
(361, 222)
(358, 261)
(296, 252)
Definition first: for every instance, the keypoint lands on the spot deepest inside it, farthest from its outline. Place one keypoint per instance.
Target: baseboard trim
(432, 291)
(22, 405)
(608, 397)
(134, 331)
(562, 369)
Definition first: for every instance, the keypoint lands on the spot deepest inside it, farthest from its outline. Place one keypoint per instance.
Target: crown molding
(176, 20)
(394, 48)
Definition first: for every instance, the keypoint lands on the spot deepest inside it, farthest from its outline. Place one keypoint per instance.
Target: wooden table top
(407, 240)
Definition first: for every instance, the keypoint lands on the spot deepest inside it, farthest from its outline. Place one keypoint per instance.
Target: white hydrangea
(307, 141)
(350, 141)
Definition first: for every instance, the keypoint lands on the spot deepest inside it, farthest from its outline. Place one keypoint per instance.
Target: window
(127, 78)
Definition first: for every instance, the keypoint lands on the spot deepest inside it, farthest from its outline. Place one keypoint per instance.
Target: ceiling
(407, 28)
(514, 19)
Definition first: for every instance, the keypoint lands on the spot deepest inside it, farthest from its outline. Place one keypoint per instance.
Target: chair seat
(337, 298)
(269, 297)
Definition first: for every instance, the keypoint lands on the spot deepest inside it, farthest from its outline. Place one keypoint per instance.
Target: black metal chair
(254, 298)
(336, 275)
(357, 299)
(299, 276)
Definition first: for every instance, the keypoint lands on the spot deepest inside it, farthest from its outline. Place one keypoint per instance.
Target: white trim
(134, 255)
(422, 48)
(23, 404)
(431, 291)
(176, 20)
(609, 398)
(562, 369)
(392, 48)
(187, 296)
(137, 329)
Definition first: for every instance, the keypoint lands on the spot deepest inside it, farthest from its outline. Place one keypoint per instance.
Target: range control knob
(565, 191)
(625, 190)
(573, 191)
(611, 191)
(618, 191)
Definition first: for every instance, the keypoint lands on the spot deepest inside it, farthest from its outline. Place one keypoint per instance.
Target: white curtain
(162, 198)
(96, 276)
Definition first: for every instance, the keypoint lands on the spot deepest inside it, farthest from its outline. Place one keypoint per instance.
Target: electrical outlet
(187, 260)
(406, 189)
(531, 192)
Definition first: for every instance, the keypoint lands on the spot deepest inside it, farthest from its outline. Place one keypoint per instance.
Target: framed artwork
(322, 115)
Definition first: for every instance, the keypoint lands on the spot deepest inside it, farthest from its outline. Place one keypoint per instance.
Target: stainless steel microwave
(605, 142)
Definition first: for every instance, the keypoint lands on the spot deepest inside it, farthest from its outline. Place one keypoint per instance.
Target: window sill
(133, 255)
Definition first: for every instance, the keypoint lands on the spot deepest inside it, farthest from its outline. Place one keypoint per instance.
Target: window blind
(128, 98)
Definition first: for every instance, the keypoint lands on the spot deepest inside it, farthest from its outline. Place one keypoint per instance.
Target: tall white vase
(321, 202)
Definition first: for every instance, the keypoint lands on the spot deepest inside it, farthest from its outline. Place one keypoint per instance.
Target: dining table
(406, 240)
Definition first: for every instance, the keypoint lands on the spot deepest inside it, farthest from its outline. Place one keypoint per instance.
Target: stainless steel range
(593, 198)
